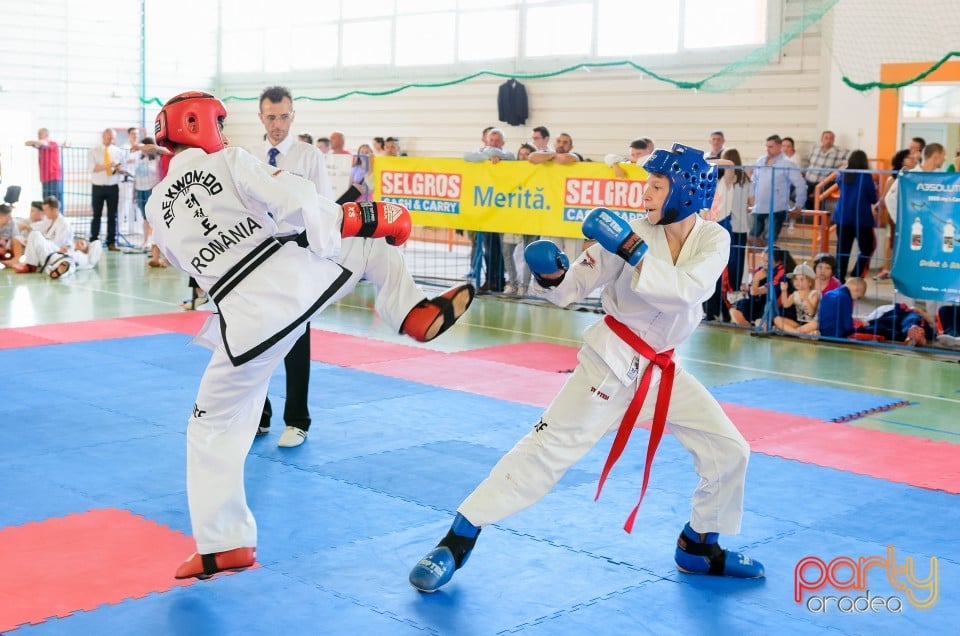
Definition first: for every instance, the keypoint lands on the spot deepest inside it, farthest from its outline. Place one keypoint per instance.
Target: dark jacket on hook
(512, 103)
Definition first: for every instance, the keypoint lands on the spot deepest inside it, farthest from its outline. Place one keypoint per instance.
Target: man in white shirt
(934, 156)
(399, 301)
(103, 162)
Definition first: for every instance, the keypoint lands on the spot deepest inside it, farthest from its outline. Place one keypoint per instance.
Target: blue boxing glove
(544, 257)
(614, 234)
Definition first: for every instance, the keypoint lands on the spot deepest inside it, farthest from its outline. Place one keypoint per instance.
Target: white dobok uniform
(373, 259)
(47, 240)
(662, 305)
(215, 217)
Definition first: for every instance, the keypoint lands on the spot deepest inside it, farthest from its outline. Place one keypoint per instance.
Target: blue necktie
(273, 152)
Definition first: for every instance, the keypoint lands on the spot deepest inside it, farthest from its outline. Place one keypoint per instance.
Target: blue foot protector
(437, 567)
(696, 556)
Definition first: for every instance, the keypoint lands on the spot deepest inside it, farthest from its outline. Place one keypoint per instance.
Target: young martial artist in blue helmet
(655, 274)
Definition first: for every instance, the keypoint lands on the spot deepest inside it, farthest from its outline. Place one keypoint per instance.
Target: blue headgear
(692, 180)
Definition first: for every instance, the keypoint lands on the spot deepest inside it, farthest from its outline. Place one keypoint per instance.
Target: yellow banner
(507, 196)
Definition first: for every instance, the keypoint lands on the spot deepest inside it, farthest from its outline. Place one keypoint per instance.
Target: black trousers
(100, 195)
(297, 366)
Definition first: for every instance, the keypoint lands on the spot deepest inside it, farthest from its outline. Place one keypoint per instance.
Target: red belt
(665, 362)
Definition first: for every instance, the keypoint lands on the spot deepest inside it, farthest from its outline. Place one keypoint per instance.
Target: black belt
(243, 268)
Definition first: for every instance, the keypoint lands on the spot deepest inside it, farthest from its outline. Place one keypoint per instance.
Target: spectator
(22, 231)
(379, 146)
(103, 162)
(48, 155)
(933, 158)
(81, 255)
(729, 209)
(835, 316)
(897, 323)
(790, 150)
(323, 143)
(391, 147)
(54, 233)
(823, 160)
(824, 265)
(902, 160)
(916, 147)
(338, 143)
(146, 174)
(854, 216)
(805, 299)
(483, 138)
(738, 194)
(8, 232)
(773, 177)
(496, 255)
(306, 138)
(541, 139)
(523, 152)
(716, 145)
(638, 149)
(562, 154)
(361, 174)
(751, 309)
(523, 272)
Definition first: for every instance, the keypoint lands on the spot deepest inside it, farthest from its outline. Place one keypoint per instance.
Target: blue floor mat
(344, 517)
(808, 400)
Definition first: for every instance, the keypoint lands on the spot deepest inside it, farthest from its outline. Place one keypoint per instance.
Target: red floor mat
(17, 338)
(81, 561)
(353, 351)
(541, 356)
(898, 458)
(186, 322)
(92, 330)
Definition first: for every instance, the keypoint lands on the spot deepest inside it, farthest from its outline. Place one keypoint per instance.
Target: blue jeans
(760, 225)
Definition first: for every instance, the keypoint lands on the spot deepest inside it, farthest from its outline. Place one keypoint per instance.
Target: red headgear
(191, 119)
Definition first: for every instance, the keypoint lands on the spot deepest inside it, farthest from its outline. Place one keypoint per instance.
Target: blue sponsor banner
(926, 261)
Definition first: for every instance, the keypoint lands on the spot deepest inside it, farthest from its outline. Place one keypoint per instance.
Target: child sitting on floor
(804, 300)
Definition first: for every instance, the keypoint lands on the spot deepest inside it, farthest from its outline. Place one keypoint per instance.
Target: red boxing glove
(376, 219)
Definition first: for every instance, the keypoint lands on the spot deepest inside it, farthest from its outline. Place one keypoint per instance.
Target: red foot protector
(79, 562)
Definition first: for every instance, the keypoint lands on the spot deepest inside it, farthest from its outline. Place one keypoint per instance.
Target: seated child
(898, 323)
(83, 254)
(8, 230)
(825, 265)
(804, 300)
(835, 317)
(749, 309)
(20, 230)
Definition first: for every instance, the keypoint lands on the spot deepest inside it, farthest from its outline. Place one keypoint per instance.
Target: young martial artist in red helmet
(216, 216)
(655, 273)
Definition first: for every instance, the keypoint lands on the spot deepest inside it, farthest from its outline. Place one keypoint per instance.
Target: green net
(860, 34)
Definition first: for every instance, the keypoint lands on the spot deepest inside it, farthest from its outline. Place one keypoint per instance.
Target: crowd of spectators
(754, 202)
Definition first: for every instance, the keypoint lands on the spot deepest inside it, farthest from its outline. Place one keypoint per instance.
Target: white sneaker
(509, 289)
(946, 340)
(292, 436)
